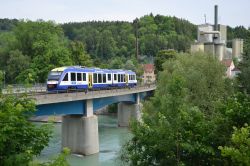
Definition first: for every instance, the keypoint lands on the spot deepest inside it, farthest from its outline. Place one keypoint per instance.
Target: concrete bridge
(79, 124)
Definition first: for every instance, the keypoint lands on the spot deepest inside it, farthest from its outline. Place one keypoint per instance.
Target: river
(111, 139)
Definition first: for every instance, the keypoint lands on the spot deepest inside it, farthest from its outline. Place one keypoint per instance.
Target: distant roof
(148, 68)
(227, 62)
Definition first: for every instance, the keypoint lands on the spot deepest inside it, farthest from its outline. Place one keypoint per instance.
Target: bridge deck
(48, 98)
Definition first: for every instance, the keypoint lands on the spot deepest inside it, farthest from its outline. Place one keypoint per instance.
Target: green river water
(111, 138)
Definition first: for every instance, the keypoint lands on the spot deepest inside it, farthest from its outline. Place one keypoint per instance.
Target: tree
(20, 139)
(106, 47)
(239, 150)
(180, 124)
(79, 55)
(161, 57)
(16, 63)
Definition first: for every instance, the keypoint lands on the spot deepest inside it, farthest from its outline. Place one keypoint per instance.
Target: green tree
(180, 121)
(106, 47)
(79, 54)
(16, 63)
(239, 150)
(161, 57)
(20, 139)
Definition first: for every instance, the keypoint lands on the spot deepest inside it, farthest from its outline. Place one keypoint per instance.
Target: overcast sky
(231, 12)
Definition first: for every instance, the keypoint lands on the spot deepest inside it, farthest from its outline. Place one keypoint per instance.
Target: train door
(126, 79)
(90, 85)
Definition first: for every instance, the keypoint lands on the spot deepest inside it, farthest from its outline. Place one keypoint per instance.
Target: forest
(30, 49)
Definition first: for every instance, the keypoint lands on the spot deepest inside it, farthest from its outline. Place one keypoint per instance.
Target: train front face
(53, 80)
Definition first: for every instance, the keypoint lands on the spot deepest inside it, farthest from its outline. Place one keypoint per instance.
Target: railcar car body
(74, 77)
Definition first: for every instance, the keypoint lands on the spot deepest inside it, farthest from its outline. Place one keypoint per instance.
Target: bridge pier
(128, 111)
(80, 133)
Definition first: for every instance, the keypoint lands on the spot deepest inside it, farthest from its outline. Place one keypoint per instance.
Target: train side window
(95, 78)
(73, 76)
(99, 78)
(119, 78)
(79, 76)
(109, 77)
(115, 76)
(83, 76)
(122, 78)
(104, 78)
(66, 77)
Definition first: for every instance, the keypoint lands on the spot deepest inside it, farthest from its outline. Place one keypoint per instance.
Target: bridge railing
(41, 89)
(24, 88)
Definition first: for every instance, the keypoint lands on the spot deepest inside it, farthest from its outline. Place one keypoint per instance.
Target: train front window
(54, 75)
(66, 77)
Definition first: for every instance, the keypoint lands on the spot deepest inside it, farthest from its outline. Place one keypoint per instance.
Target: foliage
(79, 55)
(239, 151)
(60, 160)
(161, 57)
(181, 125)
(20, 139)
(33, 48)
(1, 79)
(244, 76)
(237, 110)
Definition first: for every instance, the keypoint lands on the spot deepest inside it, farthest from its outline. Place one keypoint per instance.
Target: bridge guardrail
(40, 89)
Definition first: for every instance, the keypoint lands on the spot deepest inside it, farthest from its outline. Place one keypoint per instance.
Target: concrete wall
(209, 48)
(223, 32)
(199, 47)
(206, 38)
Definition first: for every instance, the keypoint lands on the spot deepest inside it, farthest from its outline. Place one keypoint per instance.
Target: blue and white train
(76, 77)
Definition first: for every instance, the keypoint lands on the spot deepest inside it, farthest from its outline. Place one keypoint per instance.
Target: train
(83, 78)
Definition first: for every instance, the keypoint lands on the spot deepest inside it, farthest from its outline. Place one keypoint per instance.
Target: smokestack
(216, 17)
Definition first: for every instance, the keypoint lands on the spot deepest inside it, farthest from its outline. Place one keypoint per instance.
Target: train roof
(89, 69)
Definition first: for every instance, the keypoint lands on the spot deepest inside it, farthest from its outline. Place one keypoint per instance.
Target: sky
(231, 12)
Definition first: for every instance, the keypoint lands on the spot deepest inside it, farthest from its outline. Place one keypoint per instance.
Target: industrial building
(212, 39)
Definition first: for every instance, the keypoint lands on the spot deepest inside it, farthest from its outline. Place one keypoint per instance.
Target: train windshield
(54, 75)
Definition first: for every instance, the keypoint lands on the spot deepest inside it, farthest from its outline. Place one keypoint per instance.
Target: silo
(220, 50)
(237, 48)
(197, 47)
(209, 48)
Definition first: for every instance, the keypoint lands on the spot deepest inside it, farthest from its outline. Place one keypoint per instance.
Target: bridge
(79, 124)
